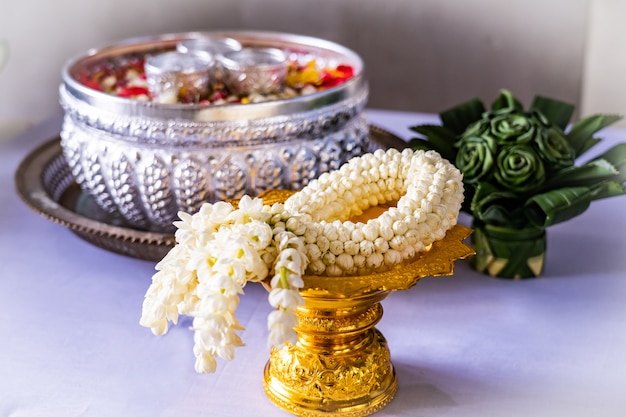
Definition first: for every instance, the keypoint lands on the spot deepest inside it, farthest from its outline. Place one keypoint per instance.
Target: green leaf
(501, 215)
(496, 207)
(557, 206)
(616, 156)
(505, 103)
(458, 118)
(557, 112)
(581, 135)
(439, 138)
(608, 189)
(420, 144)
(508, 253)
(586, 175)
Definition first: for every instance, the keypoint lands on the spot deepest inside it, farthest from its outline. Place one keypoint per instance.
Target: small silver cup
(175, 76)
(255, 70)
(215, 46)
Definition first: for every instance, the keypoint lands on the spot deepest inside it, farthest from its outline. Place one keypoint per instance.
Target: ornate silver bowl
(147, 160)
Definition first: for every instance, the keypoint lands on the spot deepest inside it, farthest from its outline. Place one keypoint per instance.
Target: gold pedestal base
(341, 365)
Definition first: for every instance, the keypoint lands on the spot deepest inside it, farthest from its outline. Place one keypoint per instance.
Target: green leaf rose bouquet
(520, 174)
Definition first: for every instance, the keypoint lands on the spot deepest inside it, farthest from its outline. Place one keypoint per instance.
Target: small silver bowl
(147, 161)
(255, 70)
(172, 74)
(216, 46)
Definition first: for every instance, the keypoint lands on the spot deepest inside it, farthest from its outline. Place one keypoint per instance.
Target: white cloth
(466, 345)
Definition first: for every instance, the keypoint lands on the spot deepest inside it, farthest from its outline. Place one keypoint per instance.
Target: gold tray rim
(145, 245)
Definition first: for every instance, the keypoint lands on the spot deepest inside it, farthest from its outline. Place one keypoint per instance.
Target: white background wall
(421, 55)
(604, 75)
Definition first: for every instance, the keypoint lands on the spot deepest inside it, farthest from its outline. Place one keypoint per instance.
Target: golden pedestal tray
(341, 364)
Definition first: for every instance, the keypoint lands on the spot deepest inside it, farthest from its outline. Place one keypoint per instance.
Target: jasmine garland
(221, 248)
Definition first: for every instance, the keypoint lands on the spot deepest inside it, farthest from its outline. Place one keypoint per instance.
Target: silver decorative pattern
(124, 190)
(156, 191)
(191, 184)
(118, 174)
(267, 172)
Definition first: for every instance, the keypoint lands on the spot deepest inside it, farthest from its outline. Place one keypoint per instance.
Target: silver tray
(45, 183)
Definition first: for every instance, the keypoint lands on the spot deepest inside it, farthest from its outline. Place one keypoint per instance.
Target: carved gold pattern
(340, 367)
(341, 364)
(343, 323)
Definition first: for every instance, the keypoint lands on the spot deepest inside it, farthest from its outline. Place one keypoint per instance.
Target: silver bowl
(148, 160)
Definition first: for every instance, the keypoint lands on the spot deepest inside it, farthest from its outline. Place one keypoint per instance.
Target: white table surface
(466, 345)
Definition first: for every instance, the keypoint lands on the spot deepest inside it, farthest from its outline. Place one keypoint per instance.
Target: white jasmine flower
(205, 363)
(248, 209)
(323, 243)
(291, 278)
(345, 262)
(336, 247)
(334, 270)
(316, 267)
(367, 247)
(374, 261)
(285, 298)
(280, 335)
(201, 261)
(328, 258)
(351, 248)
(281, 325)
(259, 234)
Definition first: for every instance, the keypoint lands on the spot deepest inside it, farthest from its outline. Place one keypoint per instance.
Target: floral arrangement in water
(125, 77)
(222, 247)
(520, 175)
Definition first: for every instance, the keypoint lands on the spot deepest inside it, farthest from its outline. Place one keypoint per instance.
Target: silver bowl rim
(210, 113)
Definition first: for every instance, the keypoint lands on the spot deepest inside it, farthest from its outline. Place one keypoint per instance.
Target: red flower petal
(133, 91)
